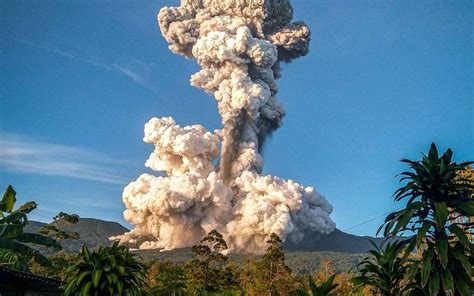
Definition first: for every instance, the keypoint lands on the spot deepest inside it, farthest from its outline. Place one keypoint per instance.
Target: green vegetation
(269, 275)
(209, 272)
(385, 270)
(15, 244)
(300, 262)
(434, 193)
(167, 279)
(325, 289)
(109, 271)
(428, 251)
(59, 263)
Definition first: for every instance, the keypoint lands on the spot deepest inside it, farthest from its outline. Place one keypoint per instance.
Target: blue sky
(80, 78)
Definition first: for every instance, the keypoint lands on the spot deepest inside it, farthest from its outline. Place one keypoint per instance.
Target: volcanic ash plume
(239, 45)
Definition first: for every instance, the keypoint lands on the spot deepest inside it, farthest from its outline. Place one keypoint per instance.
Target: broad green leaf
(113, 261)
(115, 278)
(462, 286)
(403, 221)
(40, 240)
(448, 155)
(357, 280)
(68, 290)
(328, 284)
(407, 247)
(433, 285)
(109, 277)
(119, 287)
(312, 285)
(86, 252)
(86, 288)
(24, 250)
(415, 205)
(96, 277)
(121, 270)
(82, 276)
(461, 235)
(447, 280)
(8, 201)
(422, 233)
(426, 267)
(442, 246)
(464, 261)
(441, 214)
(15, 217)
(11, 230)
(468, 207)
(40, 259)
(27, 207)
(433, 153)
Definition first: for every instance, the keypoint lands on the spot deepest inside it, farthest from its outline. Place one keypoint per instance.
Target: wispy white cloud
(123, 70)
(97, 203)
(36, 156)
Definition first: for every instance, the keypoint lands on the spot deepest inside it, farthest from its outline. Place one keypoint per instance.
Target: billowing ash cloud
(239, 45)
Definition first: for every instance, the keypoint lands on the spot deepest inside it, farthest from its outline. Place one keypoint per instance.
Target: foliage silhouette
(109, 271)
(16, 245)
(433, 193)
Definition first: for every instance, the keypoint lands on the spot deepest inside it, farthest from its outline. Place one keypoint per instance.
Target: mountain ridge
(95, 232)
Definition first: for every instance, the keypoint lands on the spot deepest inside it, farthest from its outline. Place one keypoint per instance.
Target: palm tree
(109, 271)
(432, 193)
(15, 244)
(385, 270)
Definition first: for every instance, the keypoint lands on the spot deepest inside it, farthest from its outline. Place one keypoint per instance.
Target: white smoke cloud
(239, 45)
(179, 150)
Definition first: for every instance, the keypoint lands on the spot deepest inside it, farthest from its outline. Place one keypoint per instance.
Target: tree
(15, 244)
(274, 257)
(385, 270)
(52, 229)
(109, 271)
(209, 272)
(269, 275)
(211, 248)
(170, 279)
(433, 192)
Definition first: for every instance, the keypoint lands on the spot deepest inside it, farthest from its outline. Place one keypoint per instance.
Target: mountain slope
(92, 232)
(336, 241)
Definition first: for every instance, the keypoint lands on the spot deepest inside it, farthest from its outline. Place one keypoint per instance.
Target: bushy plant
(326, 288)
(385, 270)
(342, 279)
(433, 193)
(109, 271)
(16, 250)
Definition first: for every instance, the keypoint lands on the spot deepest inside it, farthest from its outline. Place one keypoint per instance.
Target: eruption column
(239, 45)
